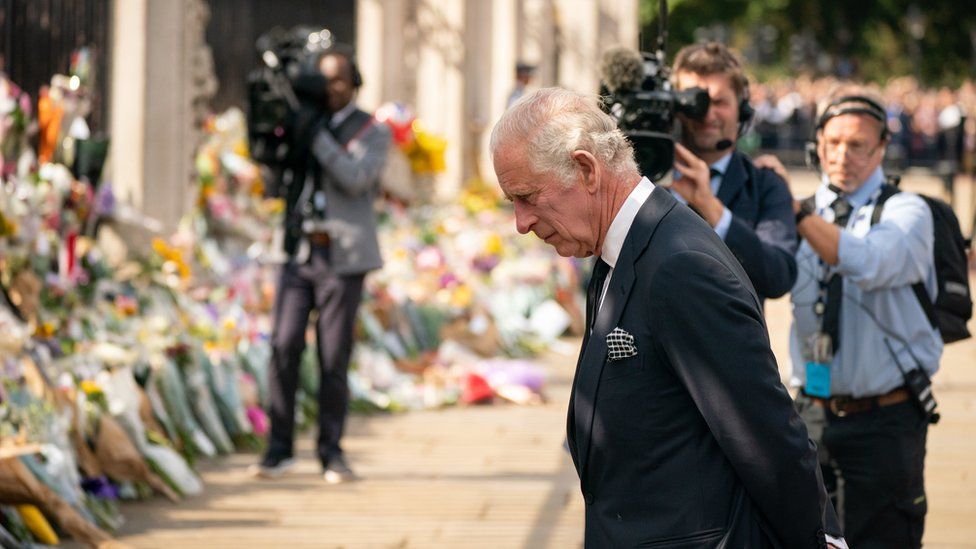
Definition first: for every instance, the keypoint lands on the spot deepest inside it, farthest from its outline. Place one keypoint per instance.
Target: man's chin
(707, 145)
(566, 250)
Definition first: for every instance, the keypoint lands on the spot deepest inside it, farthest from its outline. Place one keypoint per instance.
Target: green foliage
(873, 35)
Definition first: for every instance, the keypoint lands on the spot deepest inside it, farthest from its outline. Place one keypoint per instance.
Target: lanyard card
(818, 369)
(817, 379)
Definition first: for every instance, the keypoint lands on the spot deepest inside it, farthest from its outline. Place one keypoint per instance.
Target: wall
(453, 61)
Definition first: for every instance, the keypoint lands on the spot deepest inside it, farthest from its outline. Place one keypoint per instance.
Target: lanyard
(826, 272)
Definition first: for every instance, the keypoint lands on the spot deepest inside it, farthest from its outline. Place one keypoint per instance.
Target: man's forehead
(335, 62)
(851, 122)
(688, 79)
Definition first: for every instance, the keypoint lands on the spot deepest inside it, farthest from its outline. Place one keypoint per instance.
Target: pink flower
(258, 419)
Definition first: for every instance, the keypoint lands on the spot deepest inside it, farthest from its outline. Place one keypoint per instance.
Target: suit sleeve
(356, 171)
(716, 341)
(766, 252)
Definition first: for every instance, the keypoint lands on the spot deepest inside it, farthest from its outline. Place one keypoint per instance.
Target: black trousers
(874, 462)
(302, 288)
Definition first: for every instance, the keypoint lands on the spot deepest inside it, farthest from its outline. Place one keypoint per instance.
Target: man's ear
(589, 170)
(884, 146)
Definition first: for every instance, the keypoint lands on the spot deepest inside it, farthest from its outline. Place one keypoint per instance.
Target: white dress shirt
(613, 243)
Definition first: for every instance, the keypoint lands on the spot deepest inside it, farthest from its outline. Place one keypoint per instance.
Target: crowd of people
(932, 128)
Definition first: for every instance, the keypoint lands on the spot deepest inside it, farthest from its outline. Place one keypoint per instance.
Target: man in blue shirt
(747, 206)
(858, 324)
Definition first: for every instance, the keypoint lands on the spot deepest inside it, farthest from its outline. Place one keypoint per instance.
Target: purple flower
(100, 487)
(104, 200)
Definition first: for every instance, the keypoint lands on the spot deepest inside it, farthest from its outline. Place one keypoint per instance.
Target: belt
(845, 405)
(319, 239)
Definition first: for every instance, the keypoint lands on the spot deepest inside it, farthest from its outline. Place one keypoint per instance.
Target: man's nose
(843, 151)
(523, 218)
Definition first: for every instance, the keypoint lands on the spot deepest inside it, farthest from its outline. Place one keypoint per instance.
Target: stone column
(128, 100)
(162, 81)
(453, 61)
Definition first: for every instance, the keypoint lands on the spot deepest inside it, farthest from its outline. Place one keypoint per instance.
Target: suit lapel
(570, 417)
(594, 352)
(733, 180)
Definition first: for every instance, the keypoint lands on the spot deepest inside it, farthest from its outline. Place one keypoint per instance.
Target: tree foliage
(790, 36)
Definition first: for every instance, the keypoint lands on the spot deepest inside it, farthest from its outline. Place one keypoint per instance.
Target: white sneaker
(271, 467)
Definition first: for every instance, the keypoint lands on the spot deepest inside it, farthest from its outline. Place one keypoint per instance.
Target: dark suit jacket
(693, 442)
(763, 233)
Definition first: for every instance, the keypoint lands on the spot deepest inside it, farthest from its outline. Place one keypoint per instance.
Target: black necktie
(599, 276)
(835, 286)
(713, 173)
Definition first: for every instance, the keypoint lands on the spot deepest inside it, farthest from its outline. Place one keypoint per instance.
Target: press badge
(818, 370)
(818, 380)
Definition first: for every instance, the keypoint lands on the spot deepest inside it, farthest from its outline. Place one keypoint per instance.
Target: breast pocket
(622, 368)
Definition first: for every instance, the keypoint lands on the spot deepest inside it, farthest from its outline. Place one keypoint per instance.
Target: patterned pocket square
(620, 344)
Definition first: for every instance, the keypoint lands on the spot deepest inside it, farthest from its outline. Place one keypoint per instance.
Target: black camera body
(646, 115)
(638, 93)
(287, 95)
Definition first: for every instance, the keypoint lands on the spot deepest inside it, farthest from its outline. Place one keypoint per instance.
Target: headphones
(746, 112)
(866, 106)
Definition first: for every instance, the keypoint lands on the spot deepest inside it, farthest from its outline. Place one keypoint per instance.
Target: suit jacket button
(588, 498)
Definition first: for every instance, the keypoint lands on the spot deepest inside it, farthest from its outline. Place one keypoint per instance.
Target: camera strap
(359, 133)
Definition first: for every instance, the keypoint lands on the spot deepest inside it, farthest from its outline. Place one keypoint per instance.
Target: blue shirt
(718, 168)
(879, 265)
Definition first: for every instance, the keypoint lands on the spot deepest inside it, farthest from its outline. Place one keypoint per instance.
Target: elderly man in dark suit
(331, 242)
(746, 204)
(679, 427)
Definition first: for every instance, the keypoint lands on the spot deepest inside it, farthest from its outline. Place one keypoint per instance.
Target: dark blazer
(763, 231)
(693, 442)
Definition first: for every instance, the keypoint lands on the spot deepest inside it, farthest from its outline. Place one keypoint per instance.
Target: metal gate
(37, 38)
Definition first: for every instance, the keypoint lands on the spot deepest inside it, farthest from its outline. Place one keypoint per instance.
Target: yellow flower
(493, 245)
(462, 296)
(274, 206)
(44, 330)
(240, 149)
(172, 257)
(90, 387)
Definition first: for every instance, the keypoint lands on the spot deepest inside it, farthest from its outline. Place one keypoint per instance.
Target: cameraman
(331, 244)
(748, 207)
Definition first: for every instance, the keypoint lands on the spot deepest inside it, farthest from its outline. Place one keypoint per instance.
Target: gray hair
(554, 122)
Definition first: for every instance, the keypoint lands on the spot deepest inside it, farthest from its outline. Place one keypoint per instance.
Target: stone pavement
(497, 476)
(486, 476)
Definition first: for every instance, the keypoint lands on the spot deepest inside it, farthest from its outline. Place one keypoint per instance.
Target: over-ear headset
(746, 112)
(855, 104)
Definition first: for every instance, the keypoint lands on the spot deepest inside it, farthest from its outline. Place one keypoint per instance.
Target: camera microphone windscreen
(622, 69)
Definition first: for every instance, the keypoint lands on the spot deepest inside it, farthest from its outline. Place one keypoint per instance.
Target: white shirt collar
(722, 164)
(620, 226)
(341, 115)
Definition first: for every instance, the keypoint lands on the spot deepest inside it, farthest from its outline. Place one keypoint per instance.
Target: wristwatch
(807, 207)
